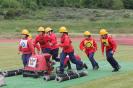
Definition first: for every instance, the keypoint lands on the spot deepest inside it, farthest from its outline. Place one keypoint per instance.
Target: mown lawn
(123, 79)
(116, 81)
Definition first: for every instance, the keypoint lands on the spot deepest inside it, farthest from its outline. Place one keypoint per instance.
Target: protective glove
(112, 52)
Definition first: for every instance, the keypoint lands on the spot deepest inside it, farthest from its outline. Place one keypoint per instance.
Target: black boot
(85, 66)
(118, 67)
(96, 67)
(115, 70)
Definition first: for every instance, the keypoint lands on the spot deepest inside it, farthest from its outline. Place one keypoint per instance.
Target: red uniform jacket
(89, 45)
(108, 43)
(26, 46)
(53, 41)
(43, 40)
(37, 46)
(66, 44)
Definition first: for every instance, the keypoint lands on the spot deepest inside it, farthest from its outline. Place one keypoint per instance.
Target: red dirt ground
(120, 40)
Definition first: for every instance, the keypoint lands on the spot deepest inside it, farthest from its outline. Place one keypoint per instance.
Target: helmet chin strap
(26, 36)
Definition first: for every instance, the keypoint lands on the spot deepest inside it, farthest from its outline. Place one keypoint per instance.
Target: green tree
(88, 3)
(128, 4)
(104, 3)
(10, 4)
(117, 4)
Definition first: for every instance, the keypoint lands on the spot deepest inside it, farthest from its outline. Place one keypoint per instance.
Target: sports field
(103, 78)
(78, 16)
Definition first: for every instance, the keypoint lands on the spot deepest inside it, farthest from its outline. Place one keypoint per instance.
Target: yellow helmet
(30, 36)
(48, 29)
(62, 29)
(87, 33)
(40, 29)
(25, 32)
(103, 32)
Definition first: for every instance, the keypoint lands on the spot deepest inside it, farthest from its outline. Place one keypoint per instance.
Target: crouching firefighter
(26, 47)
(67, 49)
(109, 44)
(89, 46)
(53, 43)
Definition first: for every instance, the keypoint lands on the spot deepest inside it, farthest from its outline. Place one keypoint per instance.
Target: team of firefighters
(46, 42)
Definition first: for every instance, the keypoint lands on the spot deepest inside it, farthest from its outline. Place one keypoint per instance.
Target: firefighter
(43, 40)
(53, 42)
(89, 46)
(35, 45)
(26, 47)
(30, 36)
(108, 43)
(67, 49)
(55, 46)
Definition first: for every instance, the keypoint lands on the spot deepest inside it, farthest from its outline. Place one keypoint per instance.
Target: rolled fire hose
(49, 77)
(70, 76)
(12, 73)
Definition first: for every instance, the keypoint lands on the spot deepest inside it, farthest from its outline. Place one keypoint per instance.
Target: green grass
(115, 26)
(77, 20)
(96, 79)
(116, 81)
(9, 57)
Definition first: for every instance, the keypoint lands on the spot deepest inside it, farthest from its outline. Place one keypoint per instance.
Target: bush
(128, 4)
(127, 15)
(117, 4)
(10, 4)
(32, 4)
(88, 3)
(104, 3)
(12, 13)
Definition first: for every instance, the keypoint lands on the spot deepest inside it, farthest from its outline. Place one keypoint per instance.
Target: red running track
(119, 40)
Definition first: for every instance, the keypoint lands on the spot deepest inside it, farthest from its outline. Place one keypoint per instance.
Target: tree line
(35, 4)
